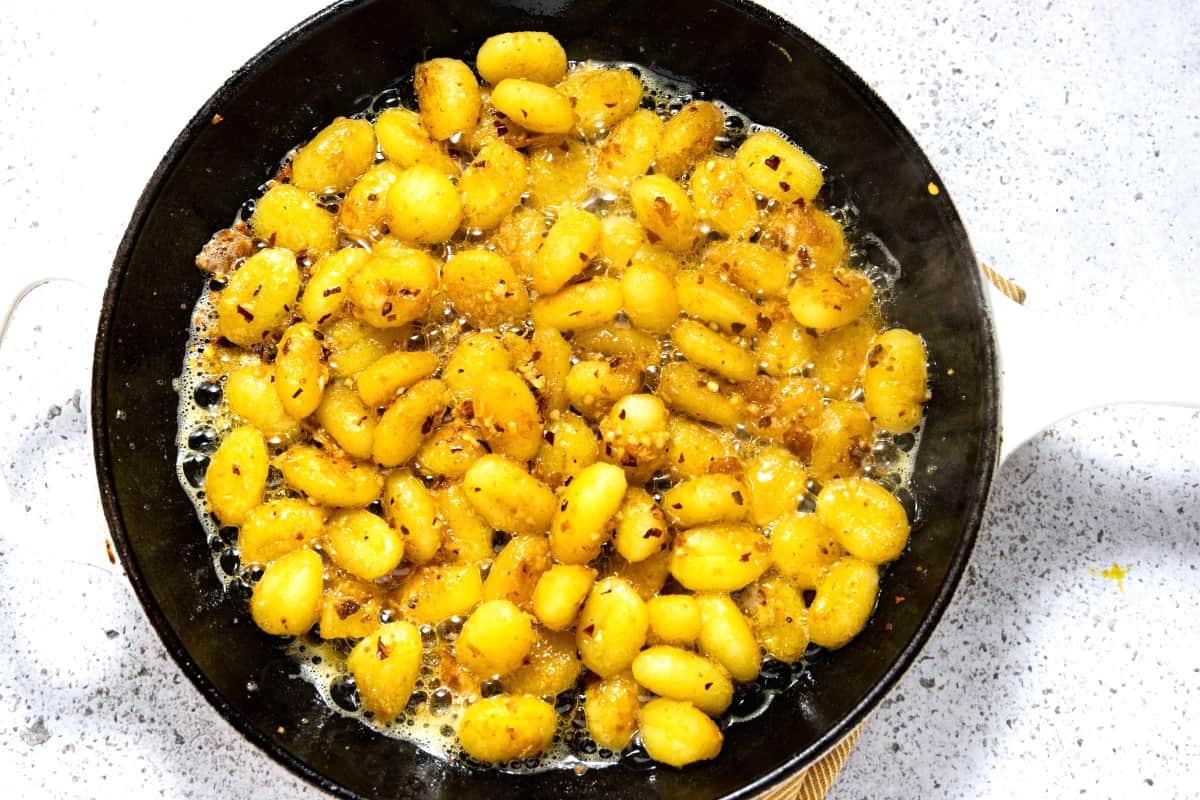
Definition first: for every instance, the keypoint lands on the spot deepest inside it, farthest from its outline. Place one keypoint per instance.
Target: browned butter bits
(545, 413)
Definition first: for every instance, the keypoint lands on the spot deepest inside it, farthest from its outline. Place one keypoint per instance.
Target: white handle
(45, 352)
(1055, 364)
(13, 297)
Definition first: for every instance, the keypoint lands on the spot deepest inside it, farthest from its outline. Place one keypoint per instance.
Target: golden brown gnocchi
(250, 392)
(580, 527)
(363, 544)
(612, 627)
(688, 135)
(508, 497)
(393, 289)
(551, 668)
(560, 592)
(300, 370)
(516, 569)
(385, 666)
(539, 376)
(405, 141)
(278, 527)
(683, 675)
(601, 98)
(495, 639)
(611, 708)
(665, 211)
(570, 245)
(629, 150)
(448, 96)
(423, 206)
(674, 619)
(778, 169)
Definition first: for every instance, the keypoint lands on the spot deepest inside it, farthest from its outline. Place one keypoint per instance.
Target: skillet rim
(247, 73)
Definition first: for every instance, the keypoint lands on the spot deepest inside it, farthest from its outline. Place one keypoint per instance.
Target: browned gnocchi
(550, 393)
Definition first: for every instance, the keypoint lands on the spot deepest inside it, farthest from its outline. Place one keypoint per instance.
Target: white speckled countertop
(1068, 134)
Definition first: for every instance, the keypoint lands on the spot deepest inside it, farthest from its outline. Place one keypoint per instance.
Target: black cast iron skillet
(328, 66)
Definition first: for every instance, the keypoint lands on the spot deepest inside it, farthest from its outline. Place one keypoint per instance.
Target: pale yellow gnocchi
(894, 380)
(495, 639)
(363, 544)
(237, 475)
(287, 598)
(534, 106)
(507, 727)
(675, 732)
(531, 55)
(335, 157)
(259, 296)
(385, 666)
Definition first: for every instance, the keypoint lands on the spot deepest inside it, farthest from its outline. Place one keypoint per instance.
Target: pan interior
(329, 66)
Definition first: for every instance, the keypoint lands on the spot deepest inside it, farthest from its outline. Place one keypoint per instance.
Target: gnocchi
(675, 732)
(448, 96)
(665, 211)
(507, 727)
(531, 55)
(688, 134)
(894, 380)
(286, 601)
(601, 98)
(534, 106)
(612, 627)
(363, 544)
(546, 374)
(335, 157)
(259, 296)
(611, 708)
(237, 475)
(683, 675)
(495, 639)
(492, 185)
(278, 527)
(385, 666)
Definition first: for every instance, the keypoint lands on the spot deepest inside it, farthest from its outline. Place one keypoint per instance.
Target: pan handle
(1056, 364)
(88, 549)
(13, 296)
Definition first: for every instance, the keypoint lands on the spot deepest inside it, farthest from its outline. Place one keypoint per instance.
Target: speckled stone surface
(1067, 133)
